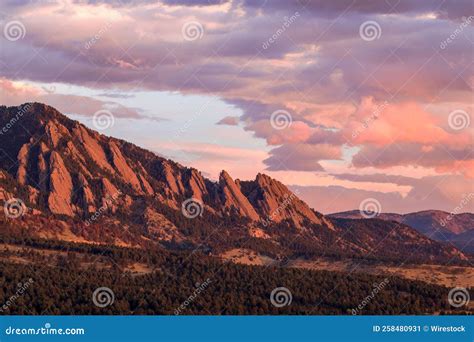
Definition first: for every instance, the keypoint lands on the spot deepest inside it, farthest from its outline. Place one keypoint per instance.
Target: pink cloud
(296, 132)
(384, 123)
(15, 93)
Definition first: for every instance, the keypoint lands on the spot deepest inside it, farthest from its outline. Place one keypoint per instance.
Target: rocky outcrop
(88, 198)
(23, 164)
(43, 168)
(124, 170)
(33, 194)
(93, 148)
(274, 202)
(142, 175)
(197, 185)
(61, 187)
(159, 227)
(173, 181)
(80, 159)
(233, 199)
(55, 132)
(108, 189)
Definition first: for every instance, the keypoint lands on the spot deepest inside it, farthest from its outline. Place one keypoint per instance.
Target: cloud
(16, 93)
(195, 2)
(454, 9)
(377, 178)
(301, 157)
(229, 121)
(333, 83)
(441, 158)
(116, 96)
(435, 192)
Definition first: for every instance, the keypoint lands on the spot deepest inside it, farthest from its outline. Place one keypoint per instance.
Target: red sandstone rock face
(88, 198)
(234, 199)
(197, 185)
(172, 178)
(61, 187)
(92, 147)
(23, 162)
(274, 202)
(124, 170)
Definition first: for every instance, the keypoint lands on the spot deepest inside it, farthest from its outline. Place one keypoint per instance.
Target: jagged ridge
(61, 167)
(76, 170)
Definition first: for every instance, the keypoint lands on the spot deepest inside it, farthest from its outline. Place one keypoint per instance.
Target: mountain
(73, 170)
(82, 186)
(435, 224)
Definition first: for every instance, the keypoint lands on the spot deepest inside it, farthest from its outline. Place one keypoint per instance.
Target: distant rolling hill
(438, 225)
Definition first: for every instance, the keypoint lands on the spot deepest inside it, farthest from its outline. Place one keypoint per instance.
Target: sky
(348, 102)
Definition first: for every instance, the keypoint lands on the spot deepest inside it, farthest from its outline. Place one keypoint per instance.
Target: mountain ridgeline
(82, 186)
(456, 229)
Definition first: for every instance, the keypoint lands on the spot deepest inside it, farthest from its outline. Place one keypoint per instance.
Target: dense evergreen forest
(65, 278)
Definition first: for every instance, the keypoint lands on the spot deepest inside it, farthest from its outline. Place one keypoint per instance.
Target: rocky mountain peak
(275, 202)
(74, 168)
(233, 199)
